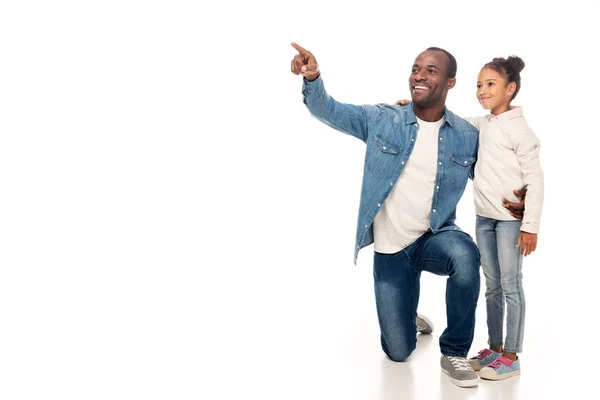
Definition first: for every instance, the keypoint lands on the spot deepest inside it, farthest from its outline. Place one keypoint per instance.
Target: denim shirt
(390, 132)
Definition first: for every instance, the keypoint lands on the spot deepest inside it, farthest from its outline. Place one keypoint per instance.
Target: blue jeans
(397, 283)
(501, 262)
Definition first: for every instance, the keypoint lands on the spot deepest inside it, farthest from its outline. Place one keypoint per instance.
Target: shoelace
(483, 354)
(460, 364)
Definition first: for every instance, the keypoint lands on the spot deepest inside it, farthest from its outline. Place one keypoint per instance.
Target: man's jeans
(501, 262)
(397, 282)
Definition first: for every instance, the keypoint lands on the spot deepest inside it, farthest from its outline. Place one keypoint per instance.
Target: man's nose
(421, 76)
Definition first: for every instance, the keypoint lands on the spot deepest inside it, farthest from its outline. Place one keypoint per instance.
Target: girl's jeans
(501, 262)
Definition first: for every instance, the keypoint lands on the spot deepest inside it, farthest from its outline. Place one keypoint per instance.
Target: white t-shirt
(404, 216)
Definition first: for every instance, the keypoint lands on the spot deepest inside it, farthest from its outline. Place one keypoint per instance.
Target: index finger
(300, 49)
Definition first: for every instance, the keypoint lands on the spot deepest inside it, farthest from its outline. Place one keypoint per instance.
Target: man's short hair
(451, 61)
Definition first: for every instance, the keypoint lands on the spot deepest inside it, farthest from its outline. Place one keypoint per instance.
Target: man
(418, 160)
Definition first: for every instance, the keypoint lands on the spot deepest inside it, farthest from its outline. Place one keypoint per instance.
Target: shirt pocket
(382, 155)
(463, 160)
(386, 146)
(459, 173)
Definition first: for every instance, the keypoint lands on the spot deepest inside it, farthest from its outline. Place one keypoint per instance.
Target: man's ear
(451, 82)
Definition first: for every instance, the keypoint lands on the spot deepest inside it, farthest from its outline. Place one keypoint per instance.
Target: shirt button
(465, 162)
(437, 187)
(391, 183)
(434, 210)
(440, 163)
(378, 205)
(384, 147)
(441, 138)
(412, 140)
(402, 162)
(366, 226)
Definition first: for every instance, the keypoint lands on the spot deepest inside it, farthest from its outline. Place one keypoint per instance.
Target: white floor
(243, 325)
(320, 341)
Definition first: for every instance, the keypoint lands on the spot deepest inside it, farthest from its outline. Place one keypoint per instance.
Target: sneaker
(459, 370)
(484, 358)
(502, 368)
(423, 324)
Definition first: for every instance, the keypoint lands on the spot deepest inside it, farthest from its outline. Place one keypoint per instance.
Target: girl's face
(493, 92)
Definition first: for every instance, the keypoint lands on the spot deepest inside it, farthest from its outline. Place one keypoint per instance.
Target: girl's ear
(512, 87)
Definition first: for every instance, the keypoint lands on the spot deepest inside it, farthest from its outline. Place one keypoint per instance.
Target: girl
(508, 157)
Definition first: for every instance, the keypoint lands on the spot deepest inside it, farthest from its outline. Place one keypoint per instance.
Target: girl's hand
(402, 102)
(528, 243)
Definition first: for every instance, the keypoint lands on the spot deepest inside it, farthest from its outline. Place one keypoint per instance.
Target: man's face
(428, 82)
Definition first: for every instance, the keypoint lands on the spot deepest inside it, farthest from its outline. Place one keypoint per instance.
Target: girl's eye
(491, 84)
(478, 86)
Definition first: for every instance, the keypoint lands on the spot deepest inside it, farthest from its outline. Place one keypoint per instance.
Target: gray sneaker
(423, 324)
(459, 370)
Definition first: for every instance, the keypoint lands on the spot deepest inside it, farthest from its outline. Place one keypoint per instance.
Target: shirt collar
(514, 112)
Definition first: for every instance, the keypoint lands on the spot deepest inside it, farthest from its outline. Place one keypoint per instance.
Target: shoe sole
(476, 366)
(493, 376)
(470, 383)
(429, 323)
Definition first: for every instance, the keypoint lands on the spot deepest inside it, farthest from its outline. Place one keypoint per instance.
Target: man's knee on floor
(398, 355)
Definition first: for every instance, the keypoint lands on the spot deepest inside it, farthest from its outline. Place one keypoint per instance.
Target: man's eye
(432, 71)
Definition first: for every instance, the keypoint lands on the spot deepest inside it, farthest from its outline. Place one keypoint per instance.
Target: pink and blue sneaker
(484, 358)
(501, 368)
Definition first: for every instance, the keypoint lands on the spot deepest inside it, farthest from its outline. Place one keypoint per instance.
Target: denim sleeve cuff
(314, 85)
(530, 227)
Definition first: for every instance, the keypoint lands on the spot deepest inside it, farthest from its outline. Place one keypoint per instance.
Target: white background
(175, 225)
